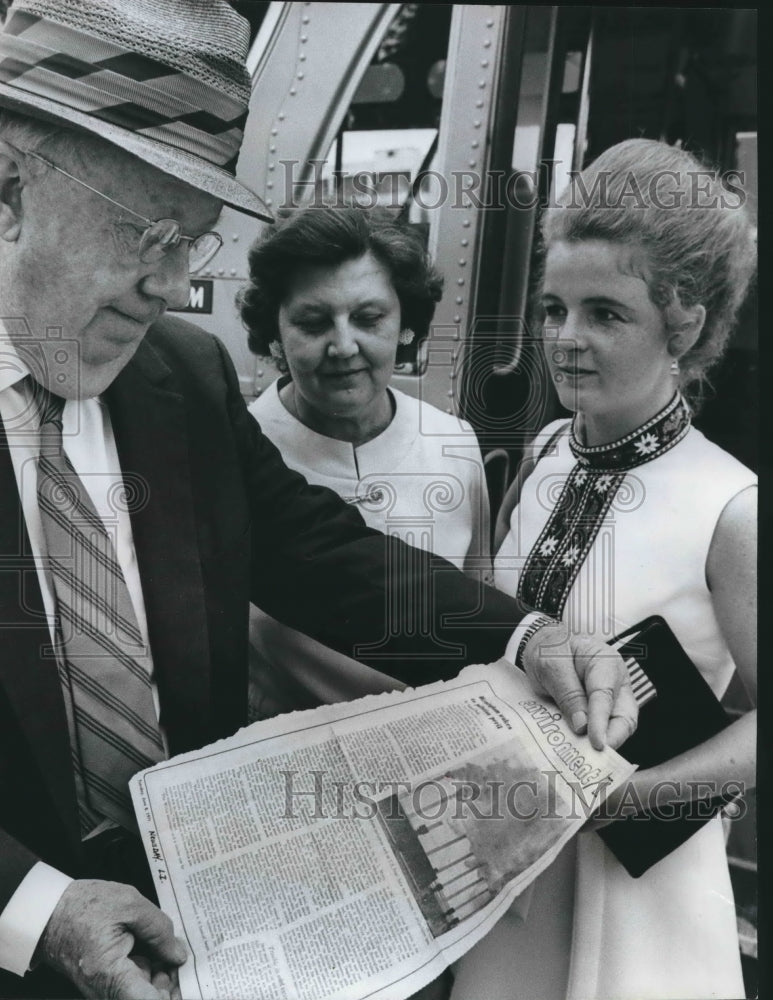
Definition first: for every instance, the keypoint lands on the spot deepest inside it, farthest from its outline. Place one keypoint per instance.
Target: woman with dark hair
(336, 294)
(629, 511)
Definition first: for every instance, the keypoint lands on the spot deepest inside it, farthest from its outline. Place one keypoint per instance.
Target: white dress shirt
(87, 435)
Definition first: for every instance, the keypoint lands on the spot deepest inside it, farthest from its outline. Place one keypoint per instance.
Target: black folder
(683, 713)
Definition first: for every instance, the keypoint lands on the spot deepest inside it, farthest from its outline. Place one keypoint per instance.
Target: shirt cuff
(26, 914)
(527, 627)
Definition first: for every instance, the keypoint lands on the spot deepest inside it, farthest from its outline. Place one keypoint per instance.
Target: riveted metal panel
(474, 53)
(302, 89)
(308, 59)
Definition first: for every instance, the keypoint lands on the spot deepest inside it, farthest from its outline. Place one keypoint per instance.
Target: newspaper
(356, 850)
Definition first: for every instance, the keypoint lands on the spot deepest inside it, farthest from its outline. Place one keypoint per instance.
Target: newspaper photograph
(356, 850)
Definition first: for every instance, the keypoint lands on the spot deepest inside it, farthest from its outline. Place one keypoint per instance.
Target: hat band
(118, 86)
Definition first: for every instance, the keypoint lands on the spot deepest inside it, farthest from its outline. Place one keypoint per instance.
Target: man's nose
(170, 278)
(343, 340)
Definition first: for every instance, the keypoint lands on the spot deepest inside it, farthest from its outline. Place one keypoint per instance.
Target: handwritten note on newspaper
(357, 849)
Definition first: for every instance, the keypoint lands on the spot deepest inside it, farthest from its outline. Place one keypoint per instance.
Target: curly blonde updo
(691, 223)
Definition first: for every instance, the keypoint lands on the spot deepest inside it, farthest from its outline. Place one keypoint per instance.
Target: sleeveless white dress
(592, 930)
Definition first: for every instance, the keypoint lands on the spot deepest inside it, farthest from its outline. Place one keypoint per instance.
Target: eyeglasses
(161, 236)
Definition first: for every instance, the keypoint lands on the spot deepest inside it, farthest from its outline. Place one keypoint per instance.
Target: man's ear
(11, 185)
(684, 334)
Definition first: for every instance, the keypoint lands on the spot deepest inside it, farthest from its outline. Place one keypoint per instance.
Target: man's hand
(587, 680)
(112, 943)
(165, 982)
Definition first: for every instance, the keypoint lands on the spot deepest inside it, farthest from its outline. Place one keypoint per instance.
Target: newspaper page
(356, 850)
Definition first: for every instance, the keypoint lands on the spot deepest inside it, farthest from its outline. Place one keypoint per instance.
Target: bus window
(390, 130)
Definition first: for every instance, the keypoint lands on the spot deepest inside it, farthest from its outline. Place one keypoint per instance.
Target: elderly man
(141, 508)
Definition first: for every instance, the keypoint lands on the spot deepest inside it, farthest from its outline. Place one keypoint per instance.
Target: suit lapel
(148, 416)
(29, 679)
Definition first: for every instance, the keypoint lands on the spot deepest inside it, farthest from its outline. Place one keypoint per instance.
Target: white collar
(341, 458)
(12, 368)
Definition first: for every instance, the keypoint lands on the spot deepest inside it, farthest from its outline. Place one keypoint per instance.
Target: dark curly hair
(691, 224)
(329, 236)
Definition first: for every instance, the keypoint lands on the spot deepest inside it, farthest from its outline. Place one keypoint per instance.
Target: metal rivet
(269, 184)
(269, 201)
(460, 281)
(484, 63)
(475, 144)
(487, 44)
(459, 300)
(462, 262)
(478, 104)
(302, 57)
(476, 123)
(293, 91)
(482, 84)
(281, 116)
(275, 131)
(305, 19)
(260, 373)
(221, 270)
(457, 318)
(272, 166)
(272, 149)
(466, 223)
(304, 38)
(472, 162)
(233, 272)
(449, 410)
(300, 74)
(235, 237)
(465, 242)
(489, 24)
(452, 376)
(208, 271)
(450, 393)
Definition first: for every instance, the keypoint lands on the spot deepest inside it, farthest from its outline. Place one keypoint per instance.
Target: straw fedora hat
(163, 79)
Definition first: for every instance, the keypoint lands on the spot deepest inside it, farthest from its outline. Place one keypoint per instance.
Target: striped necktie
(99, 642)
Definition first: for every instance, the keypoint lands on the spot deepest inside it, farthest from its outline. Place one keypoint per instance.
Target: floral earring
(406, 336)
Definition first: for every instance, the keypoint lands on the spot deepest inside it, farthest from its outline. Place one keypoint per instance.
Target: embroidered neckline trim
(649, 441)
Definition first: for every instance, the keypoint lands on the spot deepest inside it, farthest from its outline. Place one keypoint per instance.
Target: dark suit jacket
(217, 520)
